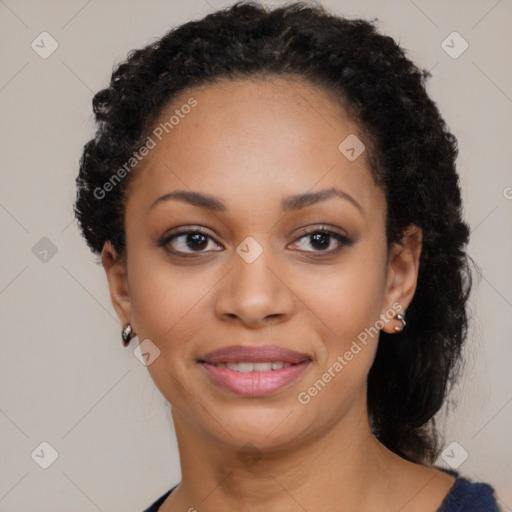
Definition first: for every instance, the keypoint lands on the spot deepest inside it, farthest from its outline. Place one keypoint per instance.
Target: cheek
(347, 307)
(168, 309)
(348, 297)
(167, 300)
(345, 301)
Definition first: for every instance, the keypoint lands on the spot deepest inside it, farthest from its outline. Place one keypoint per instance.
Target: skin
(250, 143)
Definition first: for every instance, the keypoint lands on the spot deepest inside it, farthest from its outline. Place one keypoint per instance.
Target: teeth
(241, 367)
(246, 367)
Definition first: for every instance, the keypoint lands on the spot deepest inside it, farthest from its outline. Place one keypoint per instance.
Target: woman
(275, 201)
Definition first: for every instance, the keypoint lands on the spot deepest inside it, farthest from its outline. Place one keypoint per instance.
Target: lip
(254, 384)
(253, 354)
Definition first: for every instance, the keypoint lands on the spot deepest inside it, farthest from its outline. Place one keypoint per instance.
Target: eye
(188, 242)
(321, 239)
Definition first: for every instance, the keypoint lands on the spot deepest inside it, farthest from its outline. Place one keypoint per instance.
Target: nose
(254, 294)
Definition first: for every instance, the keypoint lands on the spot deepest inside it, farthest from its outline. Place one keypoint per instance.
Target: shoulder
(429, 488)
(467, 496)
(463, 496)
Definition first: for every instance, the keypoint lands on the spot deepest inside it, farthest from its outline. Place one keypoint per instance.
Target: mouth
(254, 371)
(247, 366)
(254, 354)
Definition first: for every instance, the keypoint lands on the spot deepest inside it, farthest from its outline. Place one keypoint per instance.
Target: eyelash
(341, 239)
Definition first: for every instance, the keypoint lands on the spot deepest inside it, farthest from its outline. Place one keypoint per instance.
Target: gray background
(65, 377)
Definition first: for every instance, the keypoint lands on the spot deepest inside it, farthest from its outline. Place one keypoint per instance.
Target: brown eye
(188, 242)
(322, 240)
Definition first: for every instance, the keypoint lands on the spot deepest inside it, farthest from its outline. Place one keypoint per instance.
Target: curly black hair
(412, 158)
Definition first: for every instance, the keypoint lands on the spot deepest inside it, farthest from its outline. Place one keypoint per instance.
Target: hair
(412, 158)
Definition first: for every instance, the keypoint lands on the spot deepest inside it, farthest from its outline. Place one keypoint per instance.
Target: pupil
(196, 241)
(321, 239)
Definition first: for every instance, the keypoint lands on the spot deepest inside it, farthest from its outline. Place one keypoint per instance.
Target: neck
(292, 476)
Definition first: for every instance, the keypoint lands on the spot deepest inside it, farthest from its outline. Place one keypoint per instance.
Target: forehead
(245, 138)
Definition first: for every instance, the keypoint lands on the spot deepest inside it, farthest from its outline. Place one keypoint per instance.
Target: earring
(403, 323)
(127, 334)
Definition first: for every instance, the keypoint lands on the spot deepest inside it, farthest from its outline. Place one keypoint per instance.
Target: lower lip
(254, 384)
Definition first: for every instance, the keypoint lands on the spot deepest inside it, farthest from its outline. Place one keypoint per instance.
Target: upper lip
(255, 354)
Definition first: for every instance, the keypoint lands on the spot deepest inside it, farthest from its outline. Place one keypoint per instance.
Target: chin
(267, 428)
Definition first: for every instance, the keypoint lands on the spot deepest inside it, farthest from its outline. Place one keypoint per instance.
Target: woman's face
(259, 273)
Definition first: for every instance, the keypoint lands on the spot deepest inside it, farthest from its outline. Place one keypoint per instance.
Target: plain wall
(65, 377)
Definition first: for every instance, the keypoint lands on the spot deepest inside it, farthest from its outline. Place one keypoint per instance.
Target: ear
(115, 268)
(402, 273)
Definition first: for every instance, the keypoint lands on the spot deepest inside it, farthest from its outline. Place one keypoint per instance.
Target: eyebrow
(289, 203)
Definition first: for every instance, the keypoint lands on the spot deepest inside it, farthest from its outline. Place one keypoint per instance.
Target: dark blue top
(464, 496)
